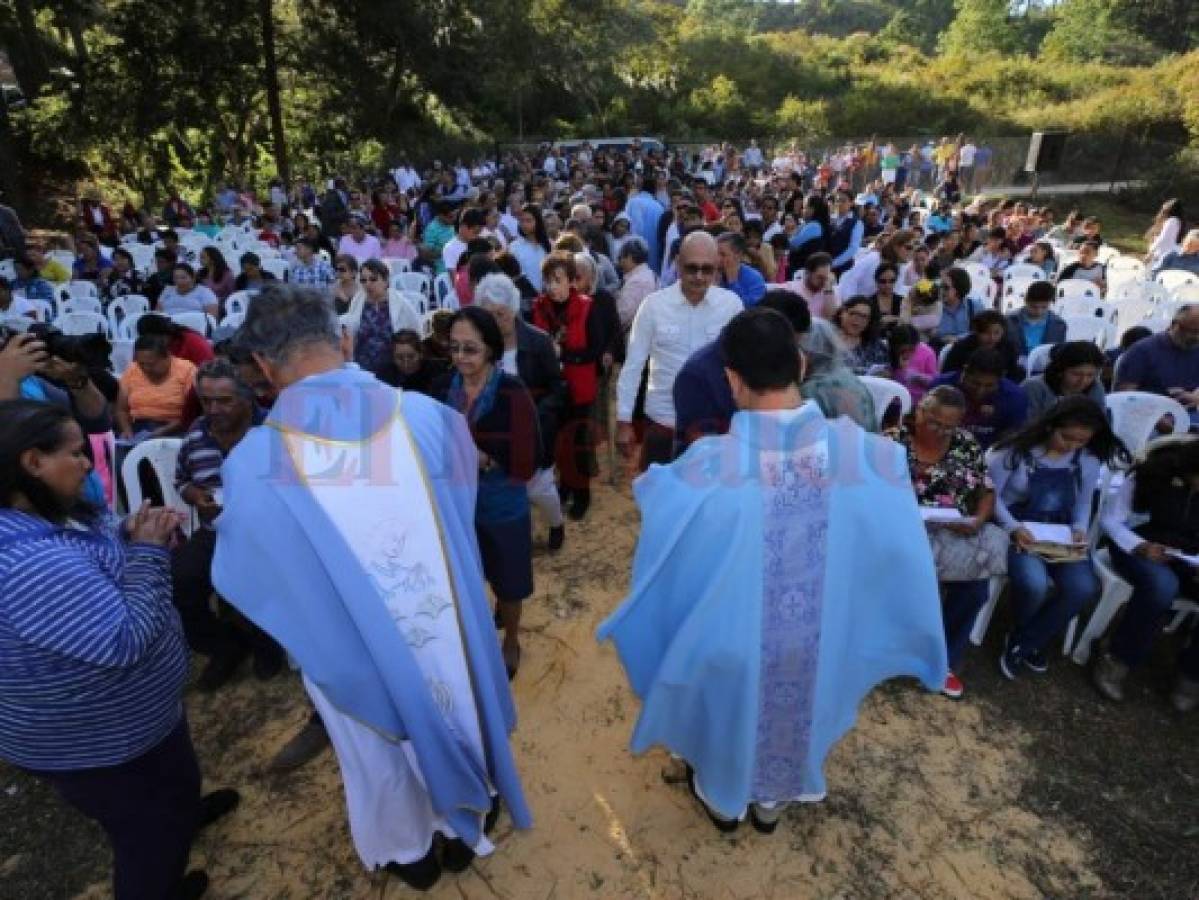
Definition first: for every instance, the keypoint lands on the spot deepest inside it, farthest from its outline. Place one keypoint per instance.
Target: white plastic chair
(443, 291)
(1185, 293)
(196, 321)
(1173, 278)
(8, 269)
(121, 357)
(122, 308)
(277, 267)
(395, 266)
(982, 286)
(43, 310)
(80, 290)
(16, 323)
(127, 329)
(1086, 328)
(426, 323)
(80, 304)
(238, 302)
(1107, 253)
(942, 356)
(65, 257)
(1080, 306)
(1135, 415)
(82, 323)
(417, 282)
(233, 320)
(1014, 291)
(1038, 359)
(422, 303)
(1077, 287)
(1124, 268)
(162, 454)
(884, 392)
(1023, 270)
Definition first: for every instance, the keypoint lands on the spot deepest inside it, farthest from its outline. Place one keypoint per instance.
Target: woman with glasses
(346, 284)
(503, 423)
(886, 301)
(857, 323)
(949, 474)
(375, 314)
(896, 249)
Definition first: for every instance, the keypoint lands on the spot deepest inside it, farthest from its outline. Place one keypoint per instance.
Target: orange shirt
(159, 402)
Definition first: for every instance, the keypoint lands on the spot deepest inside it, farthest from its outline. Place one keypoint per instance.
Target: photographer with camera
(46, 365)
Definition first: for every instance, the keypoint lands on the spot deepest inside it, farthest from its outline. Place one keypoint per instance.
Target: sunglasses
(695, 270)
(465, 350)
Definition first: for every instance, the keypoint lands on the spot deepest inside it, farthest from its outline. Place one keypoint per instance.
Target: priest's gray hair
(284, 318)
(499, 290)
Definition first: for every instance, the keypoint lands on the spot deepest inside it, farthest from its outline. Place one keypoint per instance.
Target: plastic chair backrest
(1023, 270)
(1038, 359)
(420, 302)
(16, 323)
(1077, 287)
(443, 287)
(942, 356)
(1185, 293)
(83, 290)
(1086, 328)
(238, 302)
(395, 265)
(122, 308)
(196, 321)
(82, 323)
(884, 392)
(121, 357)
(1014, 291)
(1135, 415)
(1080, 306)
(80, 304)
(127, 330)
(162, 454)
(8, 269)
(233, 320)
(412, 281)
(42, 309)
(1172, 278)
(65, 257)
(277, 267)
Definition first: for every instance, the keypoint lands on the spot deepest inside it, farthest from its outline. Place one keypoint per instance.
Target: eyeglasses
(695, 270)
(465, 350)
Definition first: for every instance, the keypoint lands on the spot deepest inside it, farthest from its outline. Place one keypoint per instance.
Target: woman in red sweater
(562, 313)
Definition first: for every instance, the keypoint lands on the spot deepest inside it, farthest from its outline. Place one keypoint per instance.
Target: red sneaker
(953, 686)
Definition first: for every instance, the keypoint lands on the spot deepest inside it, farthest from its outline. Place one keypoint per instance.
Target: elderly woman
(857, 324)
(1073, 369)
(94, 661)
(949, 475)
(1047, 472)
(829, 381)
(154, 391)
(186, 295)
(375, 314)
(529, 354)
(503, 422)
(565, 315)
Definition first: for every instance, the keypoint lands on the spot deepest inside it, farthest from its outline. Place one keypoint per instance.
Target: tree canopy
(129, 91)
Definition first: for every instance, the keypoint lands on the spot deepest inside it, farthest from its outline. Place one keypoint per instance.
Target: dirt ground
(1027, 790)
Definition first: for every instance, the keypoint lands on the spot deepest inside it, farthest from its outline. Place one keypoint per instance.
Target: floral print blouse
(959, 480)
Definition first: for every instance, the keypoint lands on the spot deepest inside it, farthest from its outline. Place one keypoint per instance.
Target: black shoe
(760, 825)
(1036, 662)
(456, 856)
(722, 824)
(306, 745)
(557, 537)
(563, 494)
(222, 667)
(420, 875)
(192, 886)
(216, 806)
(493, 815)
(268, 661)
(1010, 659)
(512, 664)
(582, 502)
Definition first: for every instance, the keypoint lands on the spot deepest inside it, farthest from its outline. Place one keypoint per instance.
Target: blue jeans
(1155, 587)
(1039, 617)
(963, 600)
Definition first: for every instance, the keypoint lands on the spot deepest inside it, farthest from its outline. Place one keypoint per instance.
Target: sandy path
(922, 793)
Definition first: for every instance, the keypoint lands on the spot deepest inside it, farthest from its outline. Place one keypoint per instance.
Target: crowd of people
(681, 312)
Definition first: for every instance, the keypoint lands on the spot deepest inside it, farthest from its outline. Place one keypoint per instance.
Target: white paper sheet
(1049, 534)
(940, 514)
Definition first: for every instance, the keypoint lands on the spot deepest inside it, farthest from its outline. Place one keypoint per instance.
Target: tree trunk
(271, 77)
(33, 71)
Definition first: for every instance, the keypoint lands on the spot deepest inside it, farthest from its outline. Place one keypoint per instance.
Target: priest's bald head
(697, 265)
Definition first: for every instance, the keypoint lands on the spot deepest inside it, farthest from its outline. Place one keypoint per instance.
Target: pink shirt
(921, 370)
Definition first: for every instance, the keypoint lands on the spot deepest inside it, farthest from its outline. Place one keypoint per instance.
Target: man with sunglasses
(670, 325)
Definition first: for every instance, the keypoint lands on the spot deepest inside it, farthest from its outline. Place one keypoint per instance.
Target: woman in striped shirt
(92, 660)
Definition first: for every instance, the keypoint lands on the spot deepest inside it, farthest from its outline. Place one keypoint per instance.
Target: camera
(88, 350)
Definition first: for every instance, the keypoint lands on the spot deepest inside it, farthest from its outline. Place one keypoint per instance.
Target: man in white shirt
(966, 166)
(670, 325)
(470, 225)
(752, 157)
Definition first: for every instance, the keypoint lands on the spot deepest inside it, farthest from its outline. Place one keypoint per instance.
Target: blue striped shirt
(92, 659)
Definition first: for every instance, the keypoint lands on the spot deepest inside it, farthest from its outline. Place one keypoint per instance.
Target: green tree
(981, 26)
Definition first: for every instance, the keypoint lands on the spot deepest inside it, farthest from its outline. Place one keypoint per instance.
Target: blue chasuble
(282, 563)
(782, 572)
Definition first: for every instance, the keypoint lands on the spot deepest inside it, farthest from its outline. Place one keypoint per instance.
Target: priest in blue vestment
(781, 573)
(348, 535)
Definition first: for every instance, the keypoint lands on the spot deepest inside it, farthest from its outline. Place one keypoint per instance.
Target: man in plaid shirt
(309, 269)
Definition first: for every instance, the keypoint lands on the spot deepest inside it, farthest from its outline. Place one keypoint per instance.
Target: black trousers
(149, 808)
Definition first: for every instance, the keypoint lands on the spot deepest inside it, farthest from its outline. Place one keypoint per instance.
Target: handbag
(969, 557)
